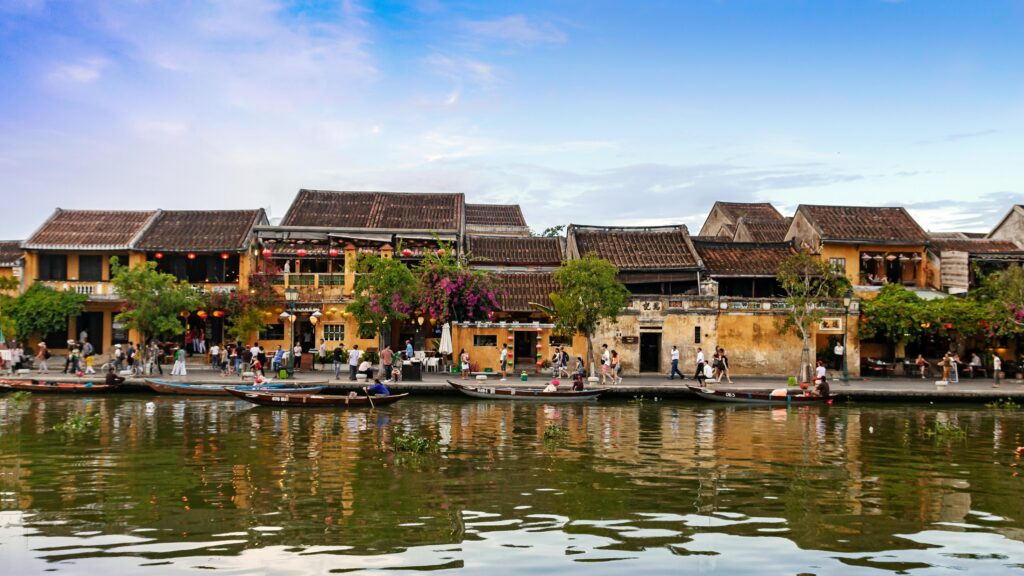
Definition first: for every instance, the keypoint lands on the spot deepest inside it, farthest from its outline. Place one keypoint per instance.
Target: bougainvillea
(385, 291)
(451, 291)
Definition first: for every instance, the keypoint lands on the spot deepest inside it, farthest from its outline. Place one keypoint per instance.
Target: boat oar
(368, 397)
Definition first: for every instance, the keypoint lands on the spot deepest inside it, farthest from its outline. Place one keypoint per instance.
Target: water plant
(76, 423)
(1007, 404)
(19, 397)
(414, 443)
(554, 432)
(939, 430)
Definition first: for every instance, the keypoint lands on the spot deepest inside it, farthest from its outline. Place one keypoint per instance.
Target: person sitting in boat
(552, 386)
(819, 377)
(821, 389)
(378, 389)
(577, 376)
(112, 378)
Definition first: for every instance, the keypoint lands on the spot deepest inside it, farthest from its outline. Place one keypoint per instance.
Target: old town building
(11, 263)
(745, 222)
(957, 259)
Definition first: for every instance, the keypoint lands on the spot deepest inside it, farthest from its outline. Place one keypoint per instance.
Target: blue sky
(582, 111)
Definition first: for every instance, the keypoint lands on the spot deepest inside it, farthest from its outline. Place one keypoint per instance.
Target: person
(387, 358)
(552, 386)
(616, 366)
(975, 364)
(215, 356)
(997, 368)
(503, 361)
(223, 363)
(675, 366)
(464, 362)
(378, 389)
(277, 360)
(700, 365)
(256, 366)
(232, 359)
(724, 361)
(336, 356)
(606, 363)
(76, 360)
(409, 352)
(118, 357)
(838, 351)
(578, 375)
(396, 371)
(821, 388)
(297, 354)
(154, 358)
(112, 378)
(179, 362)
(43, 355)
(366, 368)
(946, 363)
(716, 365)
(353, 361)
(130, 357)
(322, 353)
(88, 363)
(819, 372)
(922, 365)
(87, 349)
(83, 336)
(954, 364)
(201, 342)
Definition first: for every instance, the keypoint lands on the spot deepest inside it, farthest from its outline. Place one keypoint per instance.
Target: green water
(182, 486)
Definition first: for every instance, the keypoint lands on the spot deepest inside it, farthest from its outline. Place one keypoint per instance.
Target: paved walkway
(858, 389)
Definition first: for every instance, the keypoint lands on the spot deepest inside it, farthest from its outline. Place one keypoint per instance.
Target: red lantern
(406, 252)
(948, 326)
(538, 345)
(183, 313)
(301, 252)
(333, 252)
(218, 313)
(191, 255)
(159, 255)
(224, 255)
(267, 253)
(440, 251)
(202, 314)
(511, 337)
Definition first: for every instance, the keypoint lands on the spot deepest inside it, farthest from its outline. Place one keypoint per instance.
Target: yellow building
(11, 263)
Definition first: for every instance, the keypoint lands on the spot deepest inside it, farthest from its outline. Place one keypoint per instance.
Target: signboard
(830, 325)
(630, 339)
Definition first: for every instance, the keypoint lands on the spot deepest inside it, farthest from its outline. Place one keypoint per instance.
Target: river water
(172, 486)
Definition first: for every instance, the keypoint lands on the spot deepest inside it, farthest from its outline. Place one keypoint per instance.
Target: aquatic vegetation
(414, 443)
(77, 423)
(1000, 404)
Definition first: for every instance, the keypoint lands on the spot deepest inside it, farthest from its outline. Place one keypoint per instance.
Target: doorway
(92, 324)
(524, 349)
(650, 351)
(304, 335)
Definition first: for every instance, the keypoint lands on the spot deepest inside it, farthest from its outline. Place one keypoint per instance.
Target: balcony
(313, 288)
(96, 291)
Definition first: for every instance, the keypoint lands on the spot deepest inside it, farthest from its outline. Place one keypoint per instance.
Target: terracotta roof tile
(90, 229)
(518, 290)
(638, 248)
(972, 245)
(515, 251)
(494, 215)
(761, 229)
(723, 259)
(737, 210)
(10, 253)
(200, 230)
(376, 210)
(878, 224)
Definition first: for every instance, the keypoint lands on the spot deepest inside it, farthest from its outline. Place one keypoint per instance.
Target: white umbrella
(445, 347)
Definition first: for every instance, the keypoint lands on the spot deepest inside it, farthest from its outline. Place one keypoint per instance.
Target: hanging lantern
(865, 256)
(301, 252)
(948, 326)
(202, 314)
(218, 313)
(538, 345)
(890, 257)
(183, 313)
(406, 252)
(440, 251)
(224, 255)
(191, 255)
(333, 252)
(267, 253)
(159, 255)
(511, 337)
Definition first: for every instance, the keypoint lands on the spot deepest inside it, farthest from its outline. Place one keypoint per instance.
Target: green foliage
(414, 443)
(896, 314)
(41, 310)
(385, 290)
(449, 289)
(19, 397)
(554, 433)
(588, 292)
(550, 231)
(77, 423)
(944, 430)
(153, 300)
(372, 356)
(7, 284)
(1003, 291)
(245, 310)
(1007, 404)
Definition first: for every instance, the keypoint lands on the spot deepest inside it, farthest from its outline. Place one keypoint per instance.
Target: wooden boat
(526, 394)
(286, 398)
(43, 387)
(776, 397)
(167, 387)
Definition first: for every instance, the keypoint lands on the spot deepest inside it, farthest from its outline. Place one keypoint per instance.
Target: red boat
(42, 387)
(283, 398)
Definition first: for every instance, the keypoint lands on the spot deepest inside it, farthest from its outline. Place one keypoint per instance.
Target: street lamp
(847, 299)
(291, 295)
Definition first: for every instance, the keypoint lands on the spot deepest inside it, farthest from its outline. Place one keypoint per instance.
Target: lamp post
(847, 299)
(291, 295)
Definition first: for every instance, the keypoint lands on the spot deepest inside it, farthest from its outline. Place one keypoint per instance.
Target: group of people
(951, 363)
(715, 370)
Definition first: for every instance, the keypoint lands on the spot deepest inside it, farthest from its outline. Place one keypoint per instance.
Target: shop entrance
(525, 350)
(650, 351)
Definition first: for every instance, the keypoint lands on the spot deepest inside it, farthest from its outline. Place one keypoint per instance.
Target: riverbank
(650, 386)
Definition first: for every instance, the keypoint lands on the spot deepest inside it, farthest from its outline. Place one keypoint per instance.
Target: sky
(589, 112)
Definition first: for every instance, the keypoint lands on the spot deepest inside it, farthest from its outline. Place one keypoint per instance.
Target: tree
(385, 291)
(811, 285)
(550, 231)
(41, 310)
(1002, 293)
(896, 314)
(153, 300)
(588, 292)
(7, 284)
(246, 311)
(451, 290)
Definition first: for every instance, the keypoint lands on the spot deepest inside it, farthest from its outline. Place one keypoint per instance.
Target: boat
(775, 397)
(282, 397)
(43, 387)
(526, 394)
(167, 387)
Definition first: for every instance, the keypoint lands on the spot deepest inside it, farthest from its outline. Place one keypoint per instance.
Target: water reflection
(178, 484)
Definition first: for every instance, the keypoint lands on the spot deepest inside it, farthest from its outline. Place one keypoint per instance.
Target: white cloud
(83, 71)
(515, 29)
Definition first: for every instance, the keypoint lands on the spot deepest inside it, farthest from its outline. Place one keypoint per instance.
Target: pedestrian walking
(322, 353)
(503, 361)
(723, 362)
(464, 362)
(606, 363)
(997, 368)
(387, 358)
(700, 365)
(616, 367)
(179, 362)
(353, 361)
(43, 355)
(338, 361)
(675, 365)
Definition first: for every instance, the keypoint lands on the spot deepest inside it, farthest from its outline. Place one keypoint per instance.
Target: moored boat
(43, 387)
(526, 394)
(167, 387)
(282, 397)
(776, 397)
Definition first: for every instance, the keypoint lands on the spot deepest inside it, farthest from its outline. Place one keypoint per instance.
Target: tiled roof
(762, 229)
(972, 245)
(638, 248)
(376, 210)
(10, 253)
(518, 290)
(878, 224)
(742, 258)
(494, 215)
(737, 210)
(515, 251)
(90, 229)
(200, 230)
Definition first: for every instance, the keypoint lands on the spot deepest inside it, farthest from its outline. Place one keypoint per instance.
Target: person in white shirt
(551, 387)
(700, 364)
(606, 362)
(297, 351)
(503, 360)
(997, 367)
(353, 361)
(322, 352)
(215, 356)
(819, 372)
(675, 365)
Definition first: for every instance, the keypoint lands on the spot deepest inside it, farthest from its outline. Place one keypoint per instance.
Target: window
(485, 340)
(839, 265)
(272, 332)
(90, 268)
(122, 259)
(557, 340)
(334, 332)
(53, 267)
(696, 334)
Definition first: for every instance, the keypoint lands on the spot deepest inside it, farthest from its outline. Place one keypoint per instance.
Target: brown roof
(376, 210)
(723, 259)
(763, 229)
(518, 290)
(494, 215)
(972, 245)
(868, 224)
(10, 253)
(737, 210)
(515, 251)
(638, 248)
(90, 230)
(200, 230)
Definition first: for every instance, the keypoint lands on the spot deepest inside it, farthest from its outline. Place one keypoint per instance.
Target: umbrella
(445, 347)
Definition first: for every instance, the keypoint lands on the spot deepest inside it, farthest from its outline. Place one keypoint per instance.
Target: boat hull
(526, 394)
(40, 387)
(166, 387)
(284, 398)
(764, 397)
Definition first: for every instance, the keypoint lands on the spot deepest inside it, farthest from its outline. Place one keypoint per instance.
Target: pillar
(350, 268)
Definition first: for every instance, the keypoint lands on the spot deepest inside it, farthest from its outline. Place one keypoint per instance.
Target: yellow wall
(852, 252)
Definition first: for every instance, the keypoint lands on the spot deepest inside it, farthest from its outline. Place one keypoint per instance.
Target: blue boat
(168, 387)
